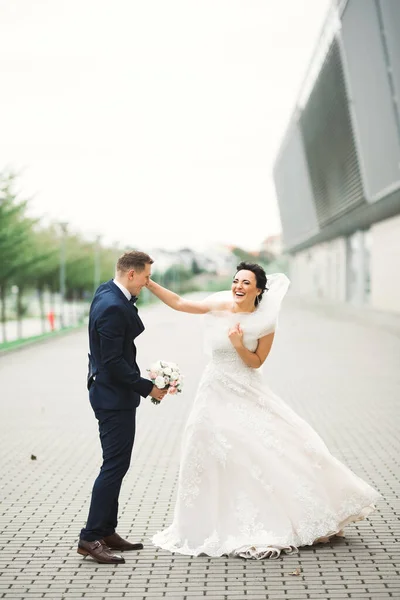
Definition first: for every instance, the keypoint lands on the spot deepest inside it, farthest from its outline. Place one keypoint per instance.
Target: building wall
(362, 269)
(385, 265)
(338, 167)
(294, 190)
(320, 271)
(337, 173)
(370, 49)
(329, 144)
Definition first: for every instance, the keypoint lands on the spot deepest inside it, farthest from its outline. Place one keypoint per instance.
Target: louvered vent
(329, 143)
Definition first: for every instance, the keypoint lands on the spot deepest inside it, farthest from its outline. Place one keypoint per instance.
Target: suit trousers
(117, 434)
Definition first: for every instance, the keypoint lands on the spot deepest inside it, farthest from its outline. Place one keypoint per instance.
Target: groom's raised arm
(111, 329)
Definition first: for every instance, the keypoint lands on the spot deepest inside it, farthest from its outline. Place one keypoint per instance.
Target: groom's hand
(157, 393)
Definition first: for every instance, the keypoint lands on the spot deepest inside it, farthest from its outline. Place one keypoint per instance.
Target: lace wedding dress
(255, 479)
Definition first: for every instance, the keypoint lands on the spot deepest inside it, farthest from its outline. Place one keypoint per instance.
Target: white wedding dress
(255, 479)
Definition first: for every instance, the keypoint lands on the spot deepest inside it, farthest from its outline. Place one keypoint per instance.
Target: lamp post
(97, 263)
(63, 227)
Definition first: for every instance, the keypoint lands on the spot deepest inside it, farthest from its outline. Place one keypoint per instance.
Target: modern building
(337, 173)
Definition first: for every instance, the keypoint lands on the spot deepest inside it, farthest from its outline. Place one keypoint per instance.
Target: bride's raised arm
(176, 302)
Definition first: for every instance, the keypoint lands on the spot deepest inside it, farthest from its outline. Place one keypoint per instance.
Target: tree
(175, 275)
(196, 269)
(44, 272)
(16, 241)
(262, 258)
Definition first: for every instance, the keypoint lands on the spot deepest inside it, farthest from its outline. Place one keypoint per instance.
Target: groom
(115, 387)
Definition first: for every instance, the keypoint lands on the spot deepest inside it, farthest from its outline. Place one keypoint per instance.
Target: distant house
(272, 245)
(216, 259)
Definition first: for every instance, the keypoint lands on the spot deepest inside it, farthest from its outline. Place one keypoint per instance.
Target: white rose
(173, 366)
(159, 382)
(174, 375)
(155, 366)
(167, 371)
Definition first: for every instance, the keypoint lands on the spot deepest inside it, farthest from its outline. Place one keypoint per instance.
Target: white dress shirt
(123, 289)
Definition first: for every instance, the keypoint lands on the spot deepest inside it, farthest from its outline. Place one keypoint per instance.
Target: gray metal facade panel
(329, 144)
(294, 192)
(390, 10)
(371, 98)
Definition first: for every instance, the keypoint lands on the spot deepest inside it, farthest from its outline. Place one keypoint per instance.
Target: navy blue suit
(115, 387)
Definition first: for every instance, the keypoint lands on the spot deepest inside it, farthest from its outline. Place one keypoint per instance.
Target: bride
(255, 479)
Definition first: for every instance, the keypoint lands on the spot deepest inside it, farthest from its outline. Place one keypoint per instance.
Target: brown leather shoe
(115, 542)
(99, 552)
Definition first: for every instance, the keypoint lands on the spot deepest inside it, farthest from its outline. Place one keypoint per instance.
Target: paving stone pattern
(342, 375)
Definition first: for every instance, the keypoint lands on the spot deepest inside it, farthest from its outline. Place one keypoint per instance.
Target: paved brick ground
(342, 376)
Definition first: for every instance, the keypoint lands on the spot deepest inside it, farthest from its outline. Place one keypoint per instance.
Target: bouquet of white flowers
(165, 374)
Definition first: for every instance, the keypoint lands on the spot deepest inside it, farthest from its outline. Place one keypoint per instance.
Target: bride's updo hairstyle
(261, 277)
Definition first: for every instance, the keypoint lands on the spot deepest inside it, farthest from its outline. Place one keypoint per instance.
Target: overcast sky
(153, 122)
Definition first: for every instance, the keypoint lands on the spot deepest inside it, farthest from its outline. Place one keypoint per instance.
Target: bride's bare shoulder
(219, 302)
(220, 306)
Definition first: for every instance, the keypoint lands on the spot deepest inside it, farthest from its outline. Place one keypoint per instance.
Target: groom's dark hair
(133, 260)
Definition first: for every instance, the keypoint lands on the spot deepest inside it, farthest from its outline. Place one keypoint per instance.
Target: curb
(41, 340)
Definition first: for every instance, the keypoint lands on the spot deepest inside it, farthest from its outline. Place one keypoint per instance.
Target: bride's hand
(236, 336)
(149, 285)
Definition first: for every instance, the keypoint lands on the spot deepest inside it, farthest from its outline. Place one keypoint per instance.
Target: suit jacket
(114, 380)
